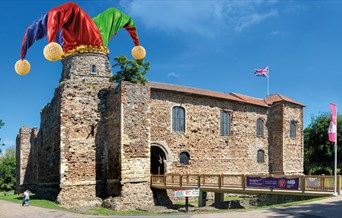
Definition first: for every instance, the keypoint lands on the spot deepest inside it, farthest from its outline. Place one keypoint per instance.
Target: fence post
(164, 179)
(303, 183)
(219, 181)
(339, 185)
(322, 182)
(180, 180)
(199, 180)
(243, 182)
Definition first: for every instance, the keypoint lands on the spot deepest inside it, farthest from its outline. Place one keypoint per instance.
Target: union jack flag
(262, 72)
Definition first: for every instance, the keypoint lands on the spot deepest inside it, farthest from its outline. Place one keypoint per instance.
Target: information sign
(186, 192)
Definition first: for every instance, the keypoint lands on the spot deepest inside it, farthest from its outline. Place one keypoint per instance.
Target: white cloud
(275, 33)
(294, 7)
(249, 20)
(205, 18)
(173, 74)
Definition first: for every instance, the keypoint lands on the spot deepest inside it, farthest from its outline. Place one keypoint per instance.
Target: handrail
(317, 183)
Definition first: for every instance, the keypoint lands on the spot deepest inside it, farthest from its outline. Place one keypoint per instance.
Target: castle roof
(278, 97)
(231, 96)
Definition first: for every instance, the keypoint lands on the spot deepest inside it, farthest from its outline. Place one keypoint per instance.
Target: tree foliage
(7, 170)
(130, 70)
(318, 150)
(1, 125)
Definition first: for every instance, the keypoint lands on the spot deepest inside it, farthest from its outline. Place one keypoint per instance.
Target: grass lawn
(293, 203)
(9, 196)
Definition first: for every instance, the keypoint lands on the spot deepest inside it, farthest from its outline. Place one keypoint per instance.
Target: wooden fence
(225, 182)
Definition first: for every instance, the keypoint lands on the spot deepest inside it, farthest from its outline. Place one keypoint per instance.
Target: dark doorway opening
(157, 160)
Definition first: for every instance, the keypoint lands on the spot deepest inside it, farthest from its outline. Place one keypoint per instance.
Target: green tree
(2, 144)
(7, 170)
(130, 70)
(318, 150)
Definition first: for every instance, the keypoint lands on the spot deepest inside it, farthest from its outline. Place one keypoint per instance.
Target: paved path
(15, 210)
(327, 208)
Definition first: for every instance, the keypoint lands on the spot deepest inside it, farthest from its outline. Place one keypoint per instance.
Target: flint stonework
(99, 142)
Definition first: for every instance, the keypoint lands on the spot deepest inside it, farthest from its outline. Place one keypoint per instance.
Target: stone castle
(97, 139)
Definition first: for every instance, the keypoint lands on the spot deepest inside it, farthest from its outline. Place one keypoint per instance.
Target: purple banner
(272, 182)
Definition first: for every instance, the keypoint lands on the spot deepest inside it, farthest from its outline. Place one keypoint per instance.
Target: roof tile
(231, 96)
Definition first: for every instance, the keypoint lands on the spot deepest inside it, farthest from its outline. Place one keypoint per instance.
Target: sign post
(186, 192)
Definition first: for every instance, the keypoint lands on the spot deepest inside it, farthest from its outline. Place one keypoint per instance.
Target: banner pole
(335, 161)
(335, 170)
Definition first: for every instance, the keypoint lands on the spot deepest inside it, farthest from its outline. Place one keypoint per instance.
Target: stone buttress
(129, 147)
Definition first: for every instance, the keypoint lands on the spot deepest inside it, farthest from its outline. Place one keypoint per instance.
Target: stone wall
(287, 152)
(114, 140)
(135, 160)
(31, 175)
(134, 196)
(293, 147)
(26, 173)
(135, 145)
(95, 138)
(209, 151)
(49, 144)
(83, 134)
(275, 126)
(41, 152)
(47, 151)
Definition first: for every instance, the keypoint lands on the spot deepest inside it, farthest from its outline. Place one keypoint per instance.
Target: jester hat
(70, 30)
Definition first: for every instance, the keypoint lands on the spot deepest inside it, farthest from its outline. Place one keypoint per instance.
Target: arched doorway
(157, 160)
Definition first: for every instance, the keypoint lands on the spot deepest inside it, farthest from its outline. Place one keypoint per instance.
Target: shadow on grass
(332, 208)
(228, 205)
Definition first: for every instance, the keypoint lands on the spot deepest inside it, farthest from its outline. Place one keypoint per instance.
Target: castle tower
(83, 153)
(93, 142)
(285, 123)
(70, 149)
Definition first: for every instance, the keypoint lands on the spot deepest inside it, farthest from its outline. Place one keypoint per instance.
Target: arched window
(93, 69)
(261, 156)
(293, 129)
(184, 158)
(260, 127)
(225, 123)
(178, 119)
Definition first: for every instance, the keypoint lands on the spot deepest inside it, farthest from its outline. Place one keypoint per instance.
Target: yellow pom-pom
(22, 67)
(138, 52)
(53, 51)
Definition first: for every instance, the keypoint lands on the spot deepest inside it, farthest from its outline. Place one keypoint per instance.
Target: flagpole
(335, 161)
(335, 170)
(268, 86)
(264, 72)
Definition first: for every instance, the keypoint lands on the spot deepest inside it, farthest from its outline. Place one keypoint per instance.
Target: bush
(7, 170)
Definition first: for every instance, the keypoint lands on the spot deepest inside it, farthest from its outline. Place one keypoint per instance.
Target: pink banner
(333, 124)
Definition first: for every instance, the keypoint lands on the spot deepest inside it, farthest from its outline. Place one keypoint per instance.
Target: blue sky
(207, 44)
